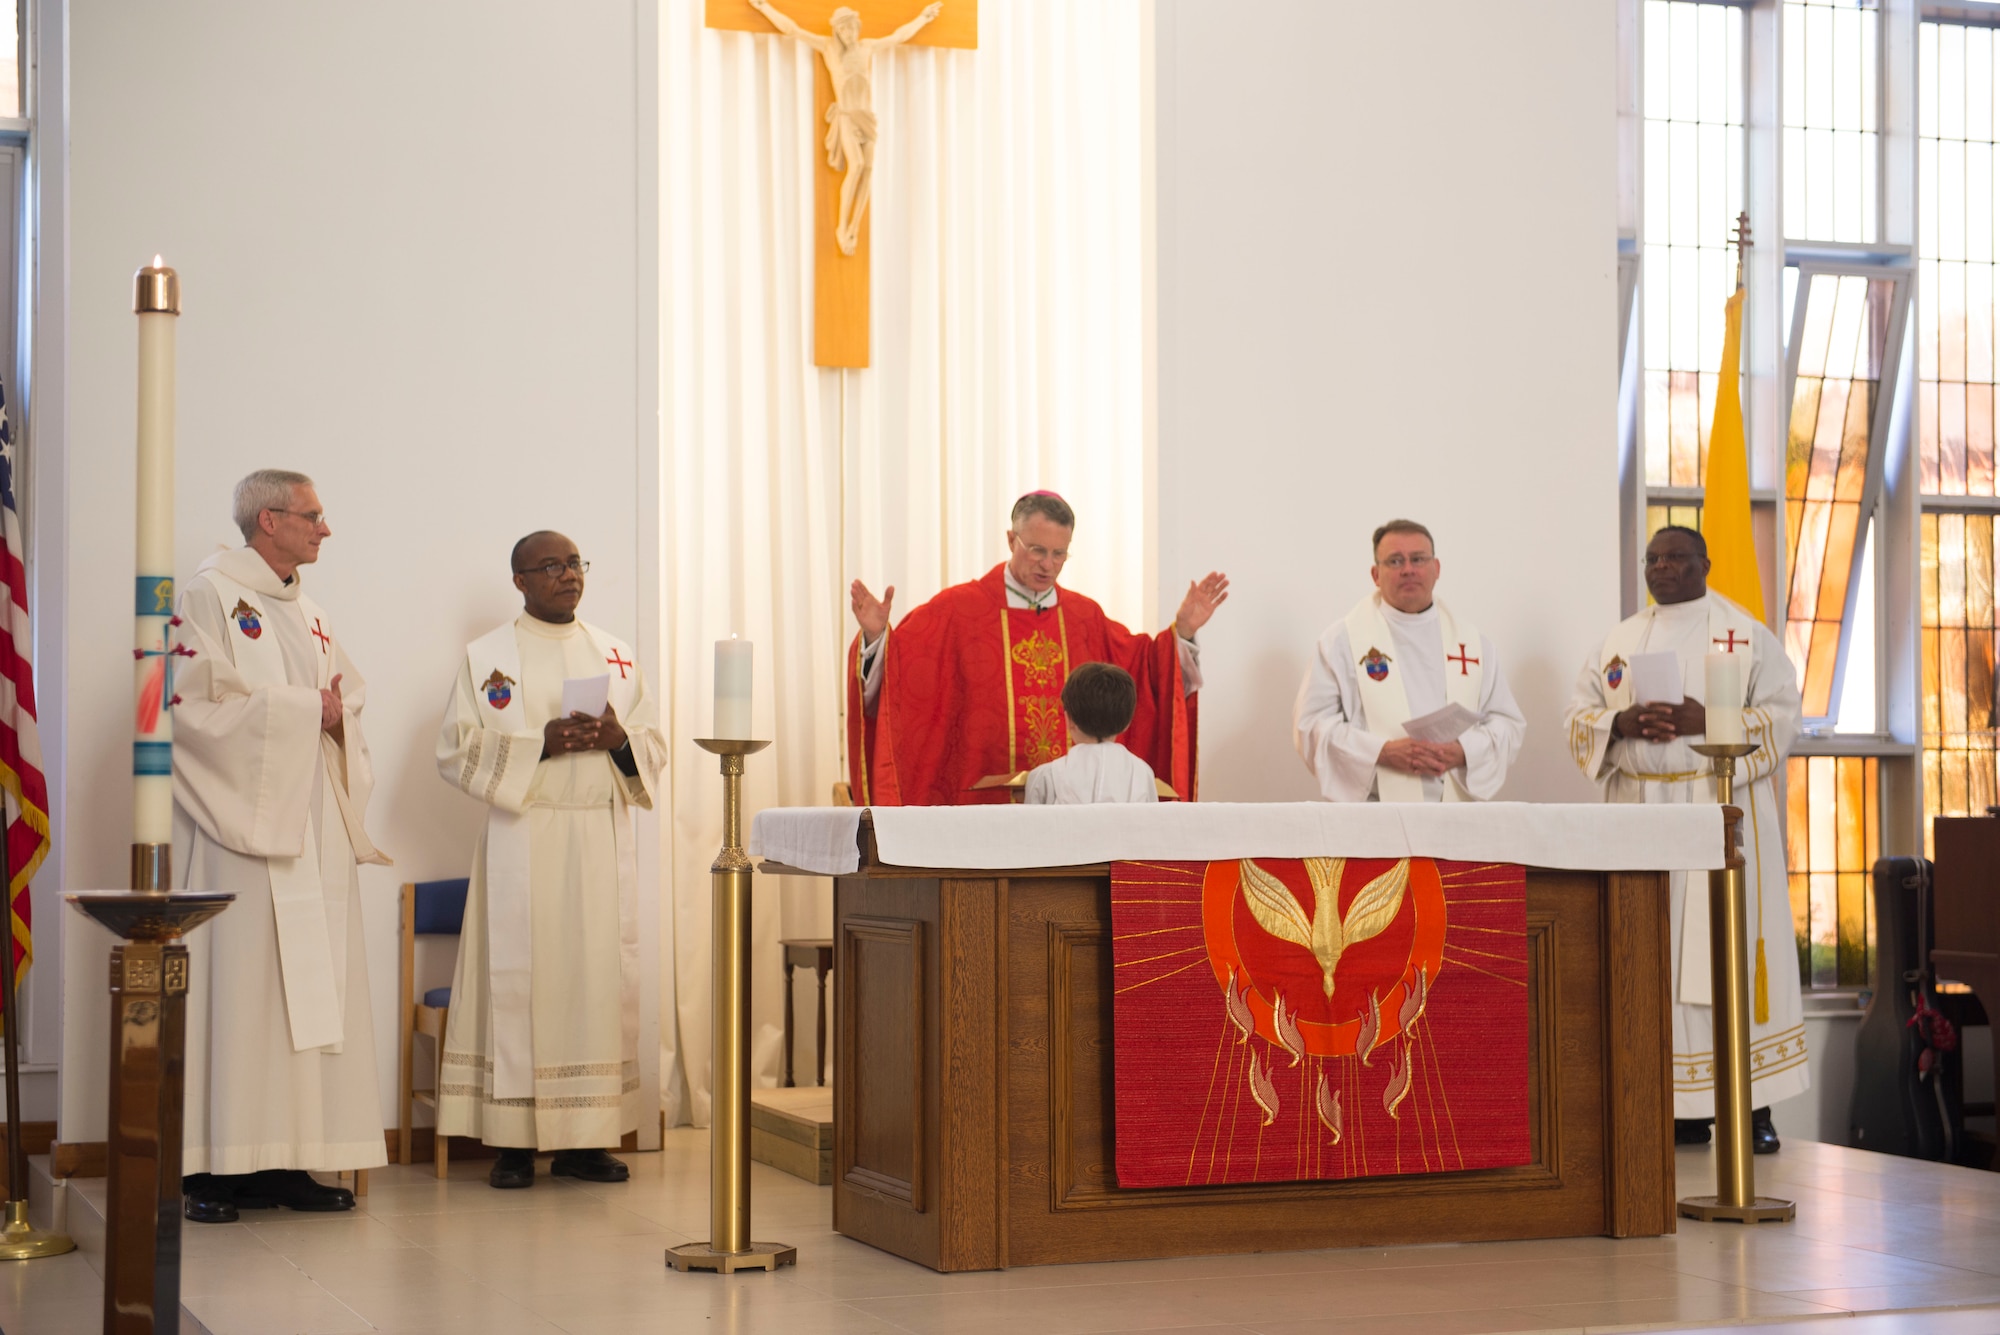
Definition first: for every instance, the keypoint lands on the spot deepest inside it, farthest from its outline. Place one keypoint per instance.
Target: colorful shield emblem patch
(1614, 672)
(498, 689)
(248, 620)
(1376, 664)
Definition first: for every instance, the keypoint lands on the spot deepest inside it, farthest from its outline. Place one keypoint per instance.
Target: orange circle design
(1421, 922)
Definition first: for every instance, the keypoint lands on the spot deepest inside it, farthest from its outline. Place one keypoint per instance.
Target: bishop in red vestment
(970, 684)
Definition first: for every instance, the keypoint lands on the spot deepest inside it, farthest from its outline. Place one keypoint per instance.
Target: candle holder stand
(149, 980)
(729, 1247)
(1735, 1199)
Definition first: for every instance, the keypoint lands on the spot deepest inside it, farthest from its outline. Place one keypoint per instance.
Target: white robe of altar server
(582, 1047)
(280, 1036)
(1092, 772)
(1335, 738)
(1633, 770)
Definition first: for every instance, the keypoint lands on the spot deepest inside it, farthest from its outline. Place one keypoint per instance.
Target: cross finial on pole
(1742, 243)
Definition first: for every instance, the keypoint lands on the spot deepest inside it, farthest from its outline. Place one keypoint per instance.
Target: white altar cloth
(1582, 836)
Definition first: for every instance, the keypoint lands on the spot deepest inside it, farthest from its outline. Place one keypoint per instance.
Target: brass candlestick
(1736, 1199)
(149, 980)
(729, 1247)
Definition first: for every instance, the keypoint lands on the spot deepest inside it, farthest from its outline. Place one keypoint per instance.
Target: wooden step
(792, 1130)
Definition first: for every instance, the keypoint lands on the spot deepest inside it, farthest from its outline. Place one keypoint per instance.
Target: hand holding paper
(1441, 725)
(589, 696)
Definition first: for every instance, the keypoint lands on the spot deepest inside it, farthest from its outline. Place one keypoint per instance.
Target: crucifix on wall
(843, 179)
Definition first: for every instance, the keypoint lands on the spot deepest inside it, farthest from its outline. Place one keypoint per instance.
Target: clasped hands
(332, 713)
(1427, 760)
(580, 732)
(1659, 722)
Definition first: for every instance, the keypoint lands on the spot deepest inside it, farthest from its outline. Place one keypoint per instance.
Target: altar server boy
(1098, 702)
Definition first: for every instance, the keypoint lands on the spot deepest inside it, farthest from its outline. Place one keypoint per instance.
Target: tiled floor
(1874, 1234)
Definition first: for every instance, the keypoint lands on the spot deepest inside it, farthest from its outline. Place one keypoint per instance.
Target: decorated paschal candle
(156, 299)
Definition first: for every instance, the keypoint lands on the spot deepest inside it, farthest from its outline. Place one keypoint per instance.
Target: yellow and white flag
(1725, 499)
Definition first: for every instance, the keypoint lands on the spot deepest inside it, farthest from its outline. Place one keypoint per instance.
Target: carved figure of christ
(845, 105)
(851, 131)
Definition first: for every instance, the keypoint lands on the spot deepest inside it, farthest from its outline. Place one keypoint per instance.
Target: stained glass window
(1693, 155)
(1957, 214)
(1840, 341)
(1955, 220)
(1833, 828)
(1830, 100)
(1683, 516)
(1958, 633)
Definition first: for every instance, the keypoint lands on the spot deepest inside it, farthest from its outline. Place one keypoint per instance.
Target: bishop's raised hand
(870, 611)
(1203, 597)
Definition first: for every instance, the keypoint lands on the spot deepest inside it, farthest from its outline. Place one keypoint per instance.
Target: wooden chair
(816, 955)
(430, 908)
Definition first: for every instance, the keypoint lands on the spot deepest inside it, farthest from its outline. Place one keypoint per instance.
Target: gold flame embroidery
(1262, 1090)
(1285, 1024)
(1399, 1083)
(1371, 1029)
(1326, 1101)
(1237, 1009)
(1413, 1004)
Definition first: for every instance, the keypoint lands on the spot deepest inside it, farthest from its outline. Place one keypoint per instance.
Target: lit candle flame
(159, 263)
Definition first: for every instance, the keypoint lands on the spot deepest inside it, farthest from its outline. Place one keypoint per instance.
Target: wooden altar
(973, 1082)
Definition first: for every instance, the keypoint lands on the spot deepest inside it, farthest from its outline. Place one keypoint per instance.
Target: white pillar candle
(1723, 698)
(733, 658)
(156, 300)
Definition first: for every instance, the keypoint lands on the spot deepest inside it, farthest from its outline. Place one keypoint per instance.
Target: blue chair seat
(438, 996)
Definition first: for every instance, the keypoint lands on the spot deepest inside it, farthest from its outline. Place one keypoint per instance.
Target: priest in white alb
(541, 1051)
(271, 782)
(1642, 753)
(1400, 658)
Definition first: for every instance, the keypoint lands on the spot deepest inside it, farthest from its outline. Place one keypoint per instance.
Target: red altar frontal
(1289, 1027)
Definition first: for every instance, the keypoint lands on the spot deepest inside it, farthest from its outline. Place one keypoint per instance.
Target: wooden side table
(819, 955)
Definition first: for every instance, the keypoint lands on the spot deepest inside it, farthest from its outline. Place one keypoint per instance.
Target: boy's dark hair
(1100, 699)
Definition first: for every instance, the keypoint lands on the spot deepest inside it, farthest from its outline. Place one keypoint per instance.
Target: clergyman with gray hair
(271, 784)
(965, 696)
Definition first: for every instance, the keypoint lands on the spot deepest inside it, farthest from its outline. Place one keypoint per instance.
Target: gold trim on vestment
(1695, 1071)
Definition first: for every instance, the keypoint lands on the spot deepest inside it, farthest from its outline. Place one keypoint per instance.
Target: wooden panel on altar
(974, 1083)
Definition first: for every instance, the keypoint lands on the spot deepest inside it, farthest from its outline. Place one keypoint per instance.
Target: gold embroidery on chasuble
(1037, 666)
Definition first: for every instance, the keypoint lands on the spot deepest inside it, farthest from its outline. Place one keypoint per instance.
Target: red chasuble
(972, 687)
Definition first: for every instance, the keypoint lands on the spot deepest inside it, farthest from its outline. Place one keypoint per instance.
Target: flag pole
(19, 1240)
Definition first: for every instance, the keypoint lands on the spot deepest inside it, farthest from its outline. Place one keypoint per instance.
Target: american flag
(24, 791)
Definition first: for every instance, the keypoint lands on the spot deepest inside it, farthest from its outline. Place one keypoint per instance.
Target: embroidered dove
(1326, 934)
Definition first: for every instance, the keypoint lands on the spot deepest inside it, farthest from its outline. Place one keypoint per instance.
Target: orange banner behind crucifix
(842, 181)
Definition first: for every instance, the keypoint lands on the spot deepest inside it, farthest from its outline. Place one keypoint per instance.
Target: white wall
(408, 242)
(1387, 286)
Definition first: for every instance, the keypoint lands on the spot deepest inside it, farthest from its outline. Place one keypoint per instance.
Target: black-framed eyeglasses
(312, 517)
(554, 569)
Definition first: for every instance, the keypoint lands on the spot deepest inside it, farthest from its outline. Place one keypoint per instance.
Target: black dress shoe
(514, 1168)
(293, 1188)
(1691, 1131)
(1763, 1136)
(206, 1199)
(590, 1165)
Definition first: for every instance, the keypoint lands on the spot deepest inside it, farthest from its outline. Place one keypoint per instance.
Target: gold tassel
(1760, 1009)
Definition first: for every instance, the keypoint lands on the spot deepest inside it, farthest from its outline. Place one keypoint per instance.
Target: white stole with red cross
(1385, 706)
(510, 947)
(308, 896)
(1728, 632)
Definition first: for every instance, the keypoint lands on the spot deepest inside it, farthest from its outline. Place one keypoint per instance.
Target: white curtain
(1006, 356)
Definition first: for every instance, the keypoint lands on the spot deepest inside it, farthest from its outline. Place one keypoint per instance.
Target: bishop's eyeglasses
(554, 569)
